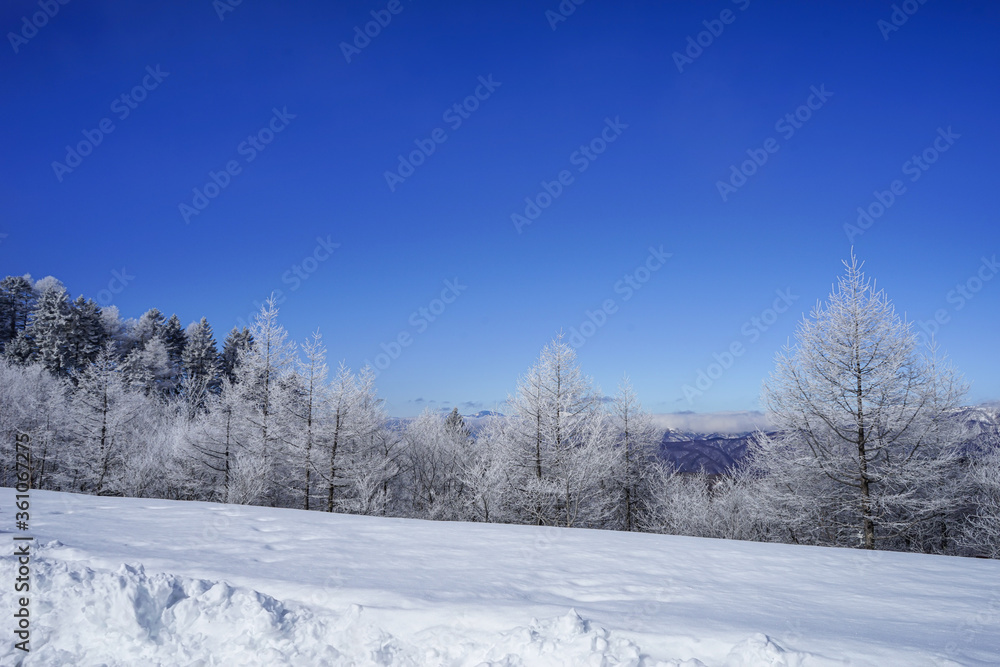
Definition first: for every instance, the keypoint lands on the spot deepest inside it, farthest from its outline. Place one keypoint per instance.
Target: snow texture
(153, 582)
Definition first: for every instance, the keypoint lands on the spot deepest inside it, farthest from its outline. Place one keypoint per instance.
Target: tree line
(866, 450)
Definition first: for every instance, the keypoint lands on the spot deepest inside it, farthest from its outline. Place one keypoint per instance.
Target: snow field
(151, 582)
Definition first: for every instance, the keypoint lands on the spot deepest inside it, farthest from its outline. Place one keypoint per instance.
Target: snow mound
(563, 640)
(760, 650)
(105, 618)
(127, 617)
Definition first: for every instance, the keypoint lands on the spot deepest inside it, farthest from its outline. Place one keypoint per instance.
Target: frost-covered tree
(17, 299)
(85, 333)
(236, 342)
(174, 338)
(435, 450)
(635, 463)
(327, 451)
(212, 441)
(239, 445)
(115, 329)
(110, 420)
(486, 473)
(981, 533)
(557, 438)
(342, 396)
(263, 394)
(374, 452)
(35, 402)
(863, 422)
(456, 424)
(61, 335)
(311, 407)
(43, 285)
(148, 368)
(147, 327)
(48, 329)
(201, 364)
(201, 357)
(702, 505)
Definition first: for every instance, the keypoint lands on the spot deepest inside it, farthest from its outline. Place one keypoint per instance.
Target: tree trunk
(333, 461)
(866, 506)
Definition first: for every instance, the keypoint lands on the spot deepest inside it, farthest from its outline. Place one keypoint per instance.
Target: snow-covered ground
(152, 582)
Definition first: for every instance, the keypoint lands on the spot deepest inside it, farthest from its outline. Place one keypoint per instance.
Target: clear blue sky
(884, 95)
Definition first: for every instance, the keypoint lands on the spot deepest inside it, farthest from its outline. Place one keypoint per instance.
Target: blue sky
(640, 136)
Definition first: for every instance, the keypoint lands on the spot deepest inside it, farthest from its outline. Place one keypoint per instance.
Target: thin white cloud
(712, 422)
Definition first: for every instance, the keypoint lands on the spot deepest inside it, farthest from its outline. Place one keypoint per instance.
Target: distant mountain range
(715, 453)
(711, 453)
(482, 414)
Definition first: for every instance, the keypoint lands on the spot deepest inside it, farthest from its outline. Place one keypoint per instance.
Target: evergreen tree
(149, 369)
(48, 331)
(456, 424)
(21, 350)
(154, 360)
(236, 342)
(175, 339)
(115, 329)
(47, 283)
(146, 328)
(85, 333)
(201, 363)
(17, 299)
